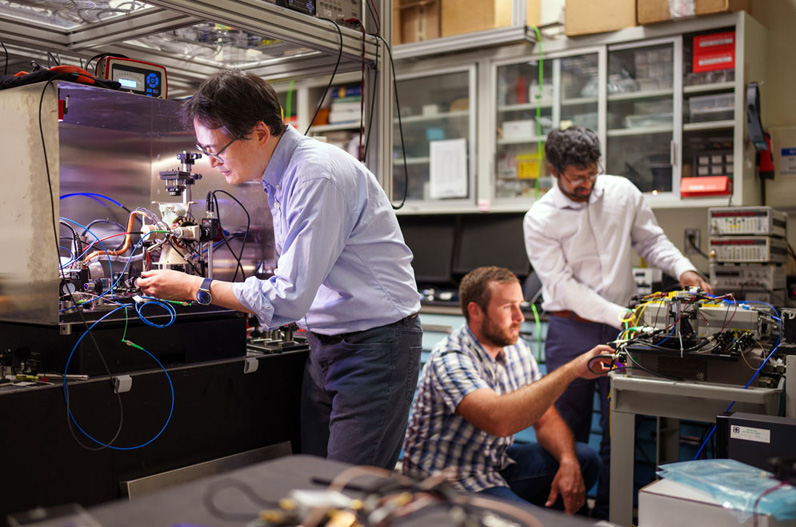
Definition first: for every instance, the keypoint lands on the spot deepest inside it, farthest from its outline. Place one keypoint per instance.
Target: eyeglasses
(215, 155)
(577, 180)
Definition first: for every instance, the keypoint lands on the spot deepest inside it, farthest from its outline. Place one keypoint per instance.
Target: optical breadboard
(747, 221)
(749, 249)
(136, 76)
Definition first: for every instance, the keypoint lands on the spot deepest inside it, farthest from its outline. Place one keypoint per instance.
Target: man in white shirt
(579, 238)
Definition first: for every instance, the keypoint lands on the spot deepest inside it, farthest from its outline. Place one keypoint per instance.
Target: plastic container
(646, 120)
(716, 107)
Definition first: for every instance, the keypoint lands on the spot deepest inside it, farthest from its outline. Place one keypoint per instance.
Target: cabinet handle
(672, 153)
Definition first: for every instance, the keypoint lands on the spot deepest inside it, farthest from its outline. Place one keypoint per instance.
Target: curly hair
(474, 287)
(234, 101)
(575, 146)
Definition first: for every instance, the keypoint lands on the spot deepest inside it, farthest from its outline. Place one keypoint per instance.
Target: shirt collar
(481, 352)
(288, 142)
(561, 201)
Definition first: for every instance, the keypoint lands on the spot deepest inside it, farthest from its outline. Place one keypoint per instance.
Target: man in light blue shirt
(343, 273)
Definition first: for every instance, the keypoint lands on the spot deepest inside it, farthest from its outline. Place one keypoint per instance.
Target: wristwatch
(203, 296)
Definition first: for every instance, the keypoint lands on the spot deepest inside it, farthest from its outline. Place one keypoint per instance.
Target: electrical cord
(5, 50)
(331, 79)
(151, 301)
(539, 147)
(693, 245)
(72, 418)
(400, 124)
(94, 196)
(75, 243)
(372, 8)
(212, 490)
(224, 236)
(763, 494)
(372, 106)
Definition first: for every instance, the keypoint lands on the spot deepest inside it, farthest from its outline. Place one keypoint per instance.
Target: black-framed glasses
(577, 180)
(215, 155)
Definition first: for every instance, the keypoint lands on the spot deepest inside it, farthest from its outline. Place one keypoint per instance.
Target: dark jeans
(566, 339)
(531, 477)
(357, 392)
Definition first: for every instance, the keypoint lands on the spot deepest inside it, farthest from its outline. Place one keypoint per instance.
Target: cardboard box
(583, 17)
(468, 16)
(665, 503)
(415, 21)
(651, 11)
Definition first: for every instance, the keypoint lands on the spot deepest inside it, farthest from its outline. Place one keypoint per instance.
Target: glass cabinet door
(640, 115)
(437, 109)
(580, 90)
(524, 117)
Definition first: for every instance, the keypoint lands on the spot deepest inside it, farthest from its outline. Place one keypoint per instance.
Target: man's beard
(497, 336)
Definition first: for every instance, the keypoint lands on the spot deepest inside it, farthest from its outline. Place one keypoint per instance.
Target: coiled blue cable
(66, 393)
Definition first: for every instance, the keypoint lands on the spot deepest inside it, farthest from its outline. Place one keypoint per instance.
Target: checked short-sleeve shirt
(438, 438)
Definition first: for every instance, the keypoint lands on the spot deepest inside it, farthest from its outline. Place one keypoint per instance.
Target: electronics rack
(748, 250)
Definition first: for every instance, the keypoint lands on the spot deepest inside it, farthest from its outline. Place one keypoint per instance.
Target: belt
(570, 315)
(340, 336)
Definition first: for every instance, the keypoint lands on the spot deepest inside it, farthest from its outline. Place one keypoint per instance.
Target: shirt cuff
(683, 267)
(615, 314)
(252, 298)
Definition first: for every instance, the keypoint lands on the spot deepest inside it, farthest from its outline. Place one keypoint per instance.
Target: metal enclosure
(109, 143)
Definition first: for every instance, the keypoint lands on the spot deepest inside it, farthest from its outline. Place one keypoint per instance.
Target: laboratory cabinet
(434, 138)
(532, 97)
(667, 102)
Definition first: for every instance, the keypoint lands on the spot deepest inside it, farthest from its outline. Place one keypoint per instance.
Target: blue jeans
(567, 339)
(531, 477)
(357, 392)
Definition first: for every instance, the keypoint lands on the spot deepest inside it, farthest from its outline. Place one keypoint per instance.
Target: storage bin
(715, 107)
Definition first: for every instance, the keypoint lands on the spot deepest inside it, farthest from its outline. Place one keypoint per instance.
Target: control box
(746, 221)
(648, 279)
(339, 9)
(744, 277)
(749, 249)
(136, 76)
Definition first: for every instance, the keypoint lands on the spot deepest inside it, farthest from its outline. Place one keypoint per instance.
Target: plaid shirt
(438, 438)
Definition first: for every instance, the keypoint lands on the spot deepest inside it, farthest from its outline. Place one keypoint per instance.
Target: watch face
(203, 297)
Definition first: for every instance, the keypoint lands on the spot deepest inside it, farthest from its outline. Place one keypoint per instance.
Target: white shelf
(435, 117)
(523, 141)
(578, 100)
(624, 132)
(710, 125)
(647, 94)
(524, 106)
(319, 128)
(399, 161)
(715, 86)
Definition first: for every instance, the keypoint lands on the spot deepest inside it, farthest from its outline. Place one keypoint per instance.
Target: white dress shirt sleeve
(651, 242)
(550, 263)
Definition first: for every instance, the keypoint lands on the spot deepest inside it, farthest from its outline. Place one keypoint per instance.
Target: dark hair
(576, 146)
(234, 101)
(474, 287)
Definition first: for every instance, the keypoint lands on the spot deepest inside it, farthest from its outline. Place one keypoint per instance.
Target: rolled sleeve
(252, 296)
